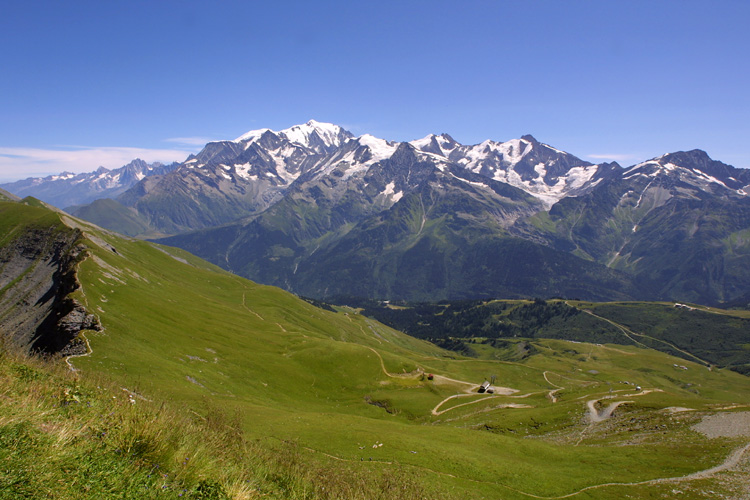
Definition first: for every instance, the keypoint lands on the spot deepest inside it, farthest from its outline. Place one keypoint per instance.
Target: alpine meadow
(422, 250)
(177, 377)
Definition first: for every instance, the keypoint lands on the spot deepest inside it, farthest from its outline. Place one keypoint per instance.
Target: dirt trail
(470, 385)
(386, 372)
(436, 412)
(362, 329)
(551, 394)
(628, 332)
(731, 461)
(85, 301)
(595, 416)
(468, 390)
(499, 391)
(600, 346)
(244, 304)
(88, 352)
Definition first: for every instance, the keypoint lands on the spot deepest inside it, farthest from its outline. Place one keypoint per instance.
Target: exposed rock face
(37, 275)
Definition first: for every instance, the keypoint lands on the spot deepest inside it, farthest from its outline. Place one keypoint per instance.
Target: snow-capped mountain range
(279, 158)
(315, 150)
(703, 174)
(319, 211)
(261, 164)
(67, 188)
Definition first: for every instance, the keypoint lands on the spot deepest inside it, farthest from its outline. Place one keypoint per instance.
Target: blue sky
(88, 83)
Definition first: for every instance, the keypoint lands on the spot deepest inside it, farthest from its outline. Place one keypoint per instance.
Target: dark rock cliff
(37, 276)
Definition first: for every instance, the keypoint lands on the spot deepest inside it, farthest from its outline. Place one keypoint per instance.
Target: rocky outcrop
(37, 276)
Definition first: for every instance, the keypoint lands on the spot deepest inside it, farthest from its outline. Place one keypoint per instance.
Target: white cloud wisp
(612, 157)
(191, 141)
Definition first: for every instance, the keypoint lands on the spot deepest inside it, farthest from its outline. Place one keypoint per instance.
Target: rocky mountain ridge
(321, 212)
(433, 219)
(67, 188)
(231, 179)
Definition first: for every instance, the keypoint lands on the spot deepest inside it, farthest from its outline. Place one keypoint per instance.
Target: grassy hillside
(107, 212)
(709, 335)
(346, 391)
(716, 336)
(69, 437)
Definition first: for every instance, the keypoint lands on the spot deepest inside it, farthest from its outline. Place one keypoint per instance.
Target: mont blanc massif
(493, 321)
(324, 214)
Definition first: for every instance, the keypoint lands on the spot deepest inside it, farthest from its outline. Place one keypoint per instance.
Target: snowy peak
(321, 137)
(252, 135)
(694, 169)
(378, 149)
(699, 161)
(490, 156)
(537, 168)
(137, 170)
(262, 163)
(354, 157)
(442, 145)
(318, 136)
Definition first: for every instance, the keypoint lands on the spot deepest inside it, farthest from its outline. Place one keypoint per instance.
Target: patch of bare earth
(735, 424)
(733, 482)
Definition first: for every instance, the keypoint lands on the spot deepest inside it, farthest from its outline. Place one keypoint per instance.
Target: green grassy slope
(352, 392)
(109, 213)
(69, 437)
(715, 336)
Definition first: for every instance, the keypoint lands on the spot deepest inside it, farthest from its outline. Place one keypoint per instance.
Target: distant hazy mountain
(321, 212)
(6, 196)
(68, 189)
